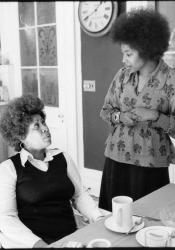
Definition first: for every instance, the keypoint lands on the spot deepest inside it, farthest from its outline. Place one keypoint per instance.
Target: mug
(99, 243)
(122, 212)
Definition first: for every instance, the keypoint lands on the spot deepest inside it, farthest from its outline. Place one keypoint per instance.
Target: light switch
(89, 85)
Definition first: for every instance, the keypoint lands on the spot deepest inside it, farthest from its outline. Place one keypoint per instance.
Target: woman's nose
(44, 129)
(123, 60)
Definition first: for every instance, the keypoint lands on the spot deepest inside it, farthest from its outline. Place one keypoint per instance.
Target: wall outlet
(89, 85)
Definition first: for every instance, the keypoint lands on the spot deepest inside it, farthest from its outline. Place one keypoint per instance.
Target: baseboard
(92, 180)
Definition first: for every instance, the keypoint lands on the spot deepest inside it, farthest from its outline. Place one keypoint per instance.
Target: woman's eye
(43, 122)
(128, 55)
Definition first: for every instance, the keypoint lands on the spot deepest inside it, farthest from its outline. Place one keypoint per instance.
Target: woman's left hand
(144, 114)
(99, 218)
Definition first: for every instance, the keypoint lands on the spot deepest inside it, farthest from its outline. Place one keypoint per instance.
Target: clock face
(96, 16)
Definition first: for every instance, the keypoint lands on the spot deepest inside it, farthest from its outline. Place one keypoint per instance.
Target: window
(38, 50)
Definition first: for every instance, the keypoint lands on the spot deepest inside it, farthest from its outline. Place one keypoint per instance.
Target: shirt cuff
(163, 122)
(27, 242)
(97, 215)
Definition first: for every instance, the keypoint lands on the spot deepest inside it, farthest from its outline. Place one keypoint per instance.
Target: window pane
(46, 12)
(49, 86)
(26, 13)
(47, 46)
(28, 47)
(29, 81)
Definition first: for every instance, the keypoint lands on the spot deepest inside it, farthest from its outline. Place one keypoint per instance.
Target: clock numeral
(96, 26)
(107, 8)
(90, 24)
(86, 18)
(106, 16)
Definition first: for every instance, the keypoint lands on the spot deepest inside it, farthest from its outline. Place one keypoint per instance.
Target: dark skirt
(126, 179)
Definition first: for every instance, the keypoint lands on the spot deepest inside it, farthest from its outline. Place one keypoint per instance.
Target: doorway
(40, 41)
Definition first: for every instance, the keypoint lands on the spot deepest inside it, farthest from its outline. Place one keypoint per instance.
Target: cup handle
(120, 217)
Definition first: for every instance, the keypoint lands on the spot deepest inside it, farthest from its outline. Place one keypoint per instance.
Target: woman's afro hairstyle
(17, 117)
(144, 30)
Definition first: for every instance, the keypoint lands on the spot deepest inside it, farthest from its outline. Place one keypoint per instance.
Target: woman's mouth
(47, 136)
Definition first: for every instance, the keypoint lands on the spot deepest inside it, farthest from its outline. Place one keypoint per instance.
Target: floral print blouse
(146, 144)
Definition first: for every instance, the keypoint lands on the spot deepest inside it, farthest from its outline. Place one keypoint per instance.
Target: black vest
(43, 198)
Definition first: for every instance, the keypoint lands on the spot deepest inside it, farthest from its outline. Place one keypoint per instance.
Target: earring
(21, 145)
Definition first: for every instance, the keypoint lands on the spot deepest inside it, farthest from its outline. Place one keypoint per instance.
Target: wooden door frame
(78, 89)
(68, 75)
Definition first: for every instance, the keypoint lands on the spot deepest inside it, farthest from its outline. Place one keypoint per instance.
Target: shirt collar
(25, 155)
(157, 69)
(157, 73)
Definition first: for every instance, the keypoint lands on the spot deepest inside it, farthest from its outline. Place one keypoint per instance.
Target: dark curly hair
(17, 116)
(144, 30)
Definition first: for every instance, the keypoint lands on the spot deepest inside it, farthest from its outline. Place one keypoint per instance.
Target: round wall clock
(97, 17)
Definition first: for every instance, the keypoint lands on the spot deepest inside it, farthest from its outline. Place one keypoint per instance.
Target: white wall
(10, 43)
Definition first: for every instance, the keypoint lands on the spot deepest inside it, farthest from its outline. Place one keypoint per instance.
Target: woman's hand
(40, 244)
(99, 218)
(144, 114)
(128, 118)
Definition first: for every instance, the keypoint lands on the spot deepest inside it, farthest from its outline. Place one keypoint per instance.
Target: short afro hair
(144, 30)
(17, 117)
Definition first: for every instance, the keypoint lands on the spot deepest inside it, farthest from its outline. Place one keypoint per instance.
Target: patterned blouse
(147, 143)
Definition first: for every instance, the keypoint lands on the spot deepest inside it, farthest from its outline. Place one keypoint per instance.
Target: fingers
(128, 118)
(129, 122)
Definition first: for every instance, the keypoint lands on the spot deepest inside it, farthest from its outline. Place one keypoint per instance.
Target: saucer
(111, 225)
(140, 236)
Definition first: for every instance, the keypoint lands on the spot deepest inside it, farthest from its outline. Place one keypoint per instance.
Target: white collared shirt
(14, 234)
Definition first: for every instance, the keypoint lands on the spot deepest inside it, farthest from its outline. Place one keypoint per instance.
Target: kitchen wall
(101, 59)
(167, 8)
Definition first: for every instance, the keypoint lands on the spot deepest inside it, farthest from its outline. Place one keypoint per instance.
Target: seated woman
(37, 185)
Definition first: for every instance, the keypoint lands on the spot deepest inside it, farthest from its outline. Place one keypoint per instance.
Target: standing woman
(139, 108)
(38, 186)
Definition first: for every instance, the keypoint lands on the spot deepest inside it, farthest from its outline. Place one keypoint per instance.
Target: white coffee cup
(156, 238)
(99, 243)
(122, 207)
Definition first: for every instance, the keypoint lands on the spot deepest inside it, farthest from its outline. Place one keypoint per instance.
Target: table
(149, 205)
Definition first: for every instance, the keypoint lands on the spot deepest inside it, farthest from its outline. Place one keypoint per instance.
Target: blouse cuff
(163, 122)
(97, 215)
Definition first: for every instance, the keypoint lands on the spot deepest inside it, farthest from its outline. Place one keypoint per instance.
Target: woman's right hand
(128, 118)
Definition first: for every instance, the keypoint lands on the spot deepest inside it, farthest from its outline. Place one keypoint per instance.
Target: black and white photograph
(87, 124)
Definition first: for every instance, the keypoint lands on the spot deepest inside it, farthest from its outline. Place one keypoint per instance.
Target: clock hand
(93, 11)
